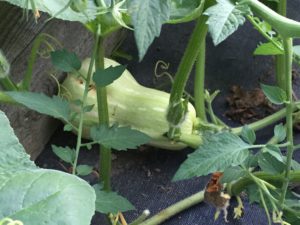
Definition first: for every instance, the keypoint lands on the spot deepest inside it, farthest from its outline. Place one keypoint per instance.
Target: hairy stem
(25, 84)
(284, 26)
(8, 84)
(85, 94)
(279, 59)
(288, 50)
(199, 82)
(105, 153)
(263, 122)
(183, 73)
(174, 209)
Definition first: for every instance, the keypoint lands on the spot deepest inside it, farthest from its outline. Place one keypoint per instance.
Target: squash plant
(224, 151)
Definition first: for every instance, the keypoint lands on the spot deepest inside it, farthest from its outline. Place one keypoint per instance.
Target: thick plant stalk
(288, 50)
(285, 27)
(279, 59)
(176, 109)
(199, 82)
(105, 153)
(174, 209)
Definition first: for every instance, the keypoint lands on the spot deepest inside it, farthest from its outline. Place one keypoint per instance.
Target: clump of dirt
(246, 106)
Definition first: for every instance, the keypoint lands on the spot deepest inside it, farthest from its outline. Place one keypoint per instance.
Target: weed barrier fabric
(144, 176)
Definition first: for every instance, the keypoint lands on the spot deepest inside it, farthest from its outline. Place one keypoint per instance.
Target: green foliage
(64, 153)
(147, 18)
(88, 108)
(270, 164)
(275, 94)
(111, 202)
(248, 134)
(83, 170)
(52, 106)
(104, 77)
(119, 138)
(38, 196)
(217, 153)
(268, 49)
(224, 19)
(274, 151)
(65, 61)
(233, 174)
(280, 132)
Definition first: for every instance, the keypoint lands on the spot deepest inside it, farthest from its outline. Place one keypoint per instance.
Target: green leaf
(53, 7)
(248, 134)
(268, 49)
(111, 202)
(295, 165)
(68, 127)
(65, 61)
(12, 154)
(104, 77)
(84, 170)
(275, 94)
(147, 17)
(232, 174)
(88, 108)
(251, 161)
(224, 18)
(119, 138)
(64, 153)
(274, 151)
(218, 153)
(56, 107)
(38, 196)
(253, 194)
(280, 132)
(270, 164)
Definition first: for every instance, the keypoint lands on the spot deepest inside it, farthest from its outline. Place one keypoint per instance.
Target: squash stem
(176, 111)
(199, 82)
(105, 153)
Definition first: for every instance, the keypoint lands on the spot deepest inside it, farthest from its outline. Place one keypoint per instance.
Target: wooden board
(16, 38)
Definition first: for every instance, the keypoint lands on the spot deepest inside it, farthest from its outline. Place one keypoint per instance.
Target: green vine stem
(279, 59)
(5, 80)
(234, 189)
(199, 82)
(175, 104)
(174, 209)
(25, 84)
(194, 140)
(288, 59)
(284, 26)
(105, 153)
(8, 84)
(277, 180)
(85, 93)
